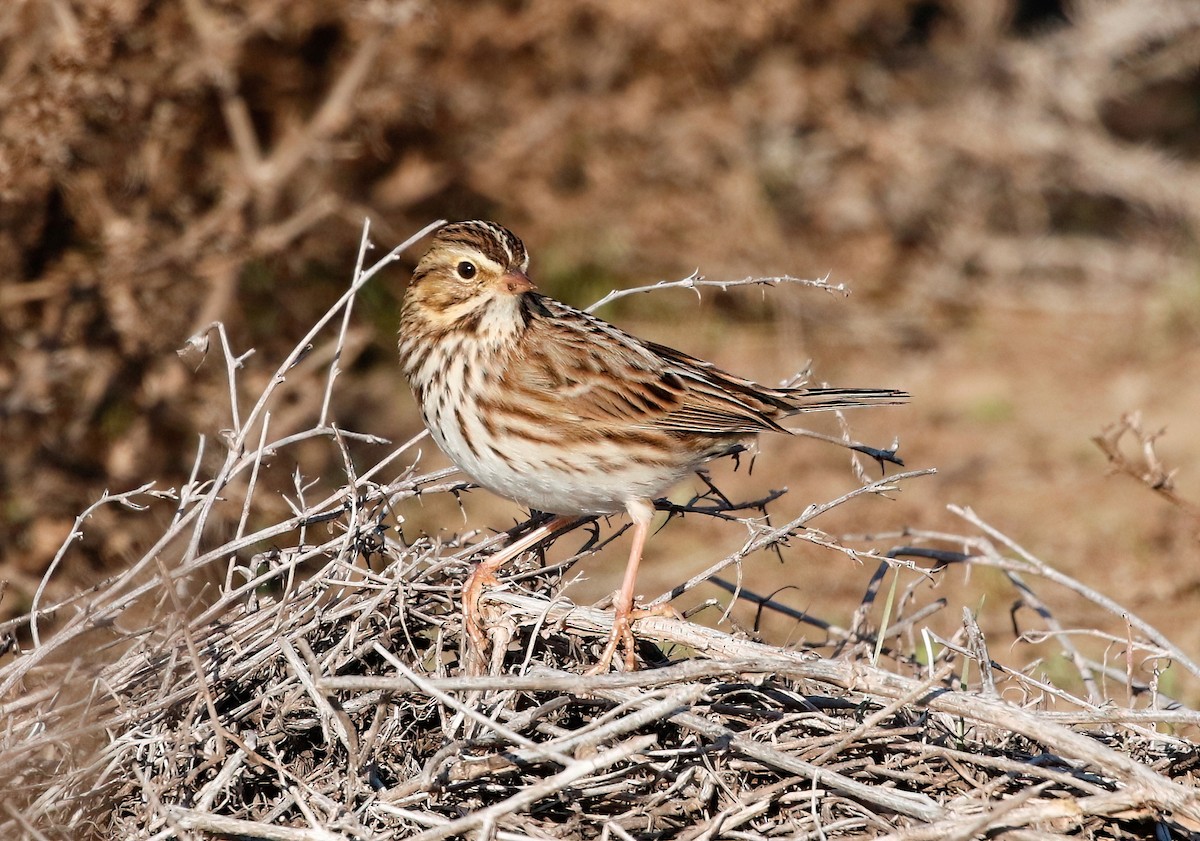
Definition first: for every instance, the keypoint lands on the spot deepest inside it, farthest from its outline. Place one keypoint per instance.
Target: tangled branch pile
(307, 678)
(165, 165)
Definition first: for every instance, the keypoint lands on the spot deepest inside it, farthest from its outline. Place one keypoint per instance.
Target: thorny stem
(1034, 564)
(695, 282)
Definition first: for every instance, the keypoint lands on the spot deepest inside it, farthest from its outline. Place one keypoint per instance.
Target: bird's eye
(466, 269)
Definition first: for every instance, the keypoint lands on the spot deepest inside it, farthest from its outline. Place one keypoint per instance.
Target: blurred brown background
(1011, 189)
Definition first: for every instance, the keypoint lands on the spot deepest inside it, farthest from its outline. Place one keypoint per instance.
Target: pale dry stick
(615, 829)
(1010, 767)
(232, 365)
(548, 680)
(1108, 715)
(345, 733)
(191, 487)
(988, 554)
(404, 487)
(236, 827)
(314, 365)
(1128, 719)
(1035, 564)
(860, 678)
(51, 799)
(368, 740)
(575, 771)
(841, 634)
(744, 808)
(334, 369)
(195, 350)
(106, 498)
(737, 592)
(695, 282)
(1150, 650)
(1160, 700)
(28, 699)
(979, 649)
(432, 819)
(227, 471)
(647, 709)
(219, 730)
(299, 503)
(884, 712)
(1128, 664)
(1064, 813)
(208, 793)
(229, 597)
(1043, 610)
(284, 805)
(53, 607)
(578, 742)
(1042, 686)
(251, 485)
(975, 825)
(350, 509)
(180, 694)
(153, 798)
(905, 803)
(823, 832)
(536, 631)
(303, 805)
(771, 537)
(730, 818)
(814, 811)
(100, 611)
(302, 346)
(900, 626)
(24, 823)
(470, 712)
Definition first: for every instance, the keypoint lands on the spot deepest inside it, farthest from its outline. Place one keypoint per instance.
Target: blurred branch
(1146, 467)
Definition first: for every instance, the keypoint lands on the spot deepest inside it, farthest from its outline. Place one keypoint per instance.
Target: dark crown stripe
(493, 241)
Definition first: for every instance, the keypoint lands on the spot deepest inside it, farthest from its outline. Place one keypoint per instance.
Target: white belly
(551, 476)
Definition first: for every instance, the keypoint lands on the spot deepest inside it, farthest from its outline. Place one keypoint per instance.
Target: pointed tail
(802, 400)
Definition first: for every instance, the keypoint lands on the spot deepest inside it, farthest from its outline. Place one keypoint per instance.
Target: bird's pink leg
(641, 512)
(484, 575)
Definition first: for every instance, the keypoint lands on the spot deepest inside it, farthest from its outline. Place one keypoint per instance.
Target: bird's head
(470, 267)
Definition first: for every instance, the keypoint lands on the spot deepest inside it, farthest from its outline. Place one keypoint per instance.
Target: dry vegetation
(320, 686)
(186, 654)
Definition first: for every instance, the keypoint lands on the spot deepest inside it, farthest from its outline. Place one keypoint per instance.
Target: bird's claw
(622, 636)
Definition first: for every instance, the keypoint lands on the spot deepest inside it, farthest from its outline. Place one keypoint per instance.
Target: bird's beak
(516, 282)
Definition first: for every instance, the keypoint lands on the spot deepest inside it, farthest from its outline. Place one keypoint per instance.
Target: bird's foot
(622, 636)
(481, 578)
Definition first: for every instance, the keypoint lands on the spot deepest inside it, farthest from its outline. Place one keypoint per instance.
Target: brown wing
(598, 373)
